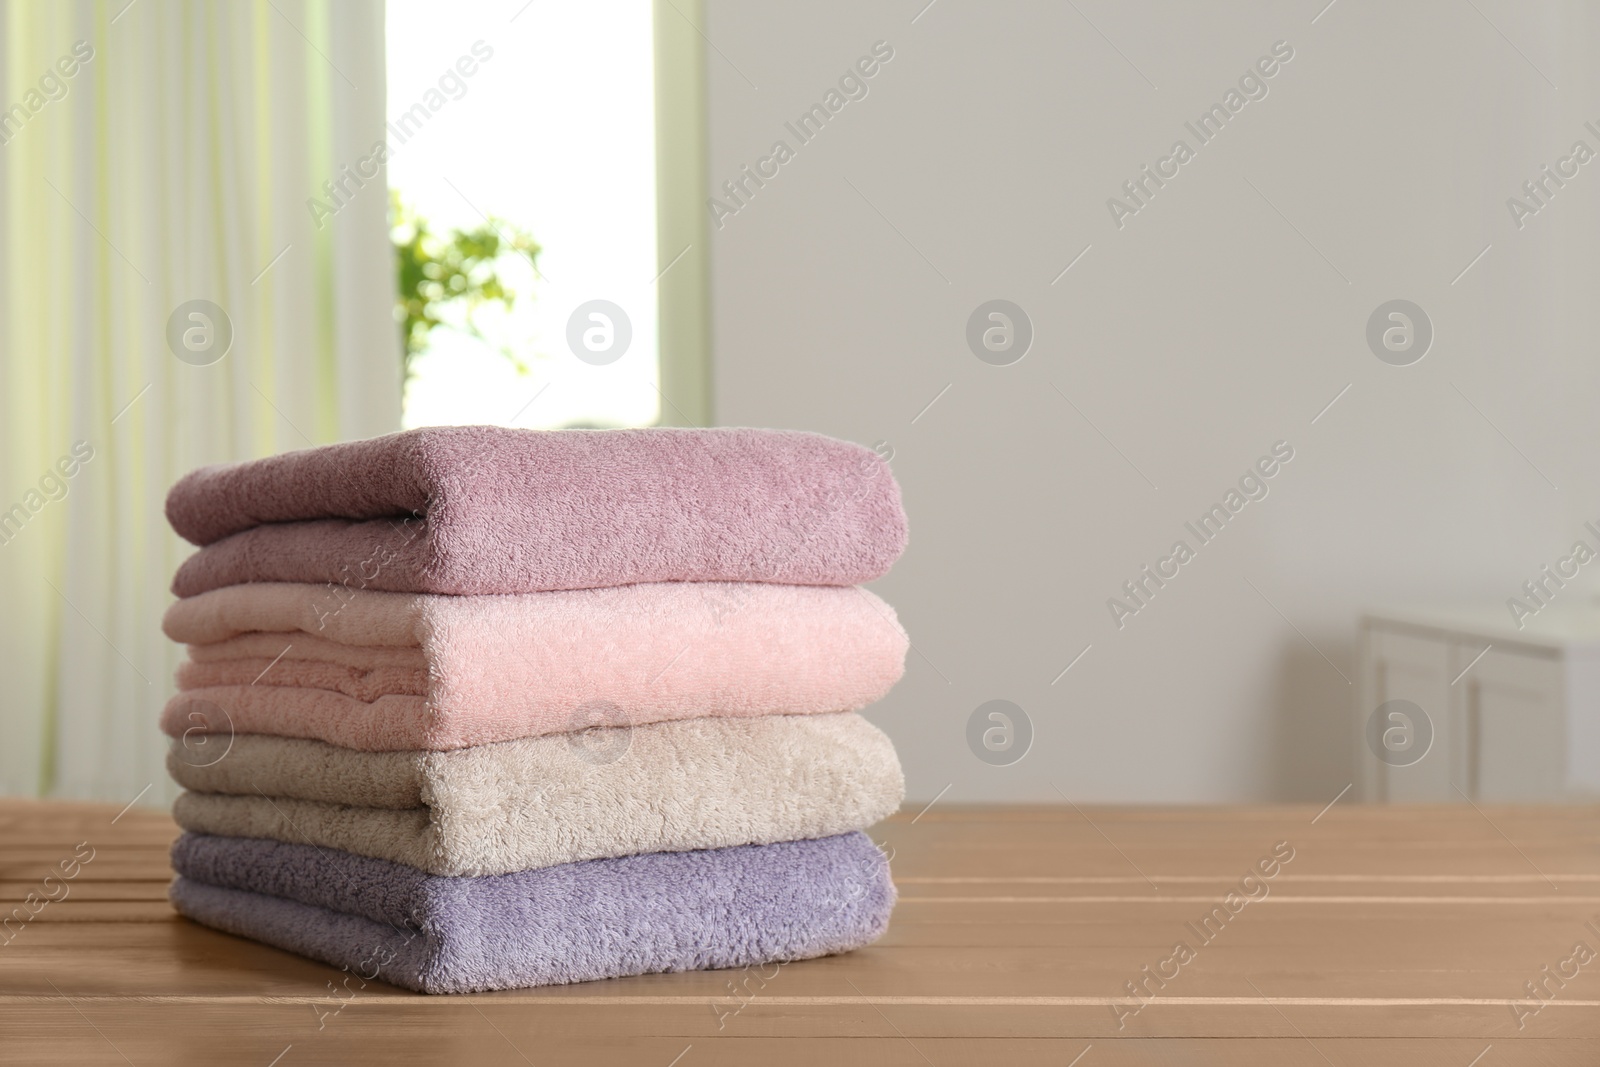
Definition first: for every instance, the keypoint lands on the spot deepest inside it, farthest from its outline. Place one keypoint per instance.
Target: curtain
(168, 299)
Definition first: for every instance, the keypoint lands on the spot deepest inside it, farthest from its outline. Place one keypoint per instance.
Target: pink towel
(394, 671)
(484, 509)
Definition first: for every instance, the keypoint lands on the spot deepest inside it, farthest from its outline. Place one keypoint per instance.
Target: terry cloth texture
(485, 509)
(663, 911)
(516, 805)
(399, 671)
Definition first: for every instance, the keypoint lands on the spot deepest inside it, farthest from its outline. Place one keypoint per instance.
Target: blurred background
(1338, 344)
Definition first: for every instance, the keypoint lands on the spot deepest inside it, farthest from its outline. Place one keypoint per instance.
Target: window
(551, 133)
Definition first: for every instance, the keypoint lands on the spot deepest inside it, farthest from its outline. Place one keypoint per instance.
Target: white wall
(1195, 337)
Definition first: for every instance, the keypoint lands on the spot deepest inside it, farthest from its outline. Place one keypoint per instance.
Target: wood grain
(1395, 935)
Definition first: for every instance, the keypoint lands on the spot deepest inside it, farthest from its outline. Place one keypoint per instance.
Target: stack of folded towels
(475, 708)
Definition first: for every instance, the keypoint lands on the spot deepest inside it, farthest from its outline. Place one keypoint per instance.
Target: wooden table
(1393, 936)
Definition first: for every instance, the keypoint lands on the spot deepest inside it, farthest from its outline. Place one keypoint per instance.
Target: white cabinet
(1461, 704)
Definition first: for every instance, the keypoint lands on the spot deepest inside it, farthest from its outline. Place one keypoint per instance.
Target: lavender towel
(484, 509)
(662, 911)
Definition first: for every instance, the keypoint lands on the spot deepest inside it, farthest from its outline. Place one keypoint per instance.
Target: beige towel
(516, 805)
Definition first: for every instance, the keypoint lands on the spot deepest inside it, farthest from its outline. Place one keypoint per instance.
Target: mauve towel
(485, 509)
(402, 671)
(662, 911)
(517, 805)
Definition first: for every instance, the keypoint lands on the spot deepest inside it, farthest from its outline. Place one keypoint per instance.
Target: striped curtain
(167, 299)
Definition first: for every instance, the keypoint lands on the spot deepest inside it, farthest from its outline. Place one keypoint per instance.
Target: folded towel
(663, 911)
(400, 671)
(484, 509)
(492, 809)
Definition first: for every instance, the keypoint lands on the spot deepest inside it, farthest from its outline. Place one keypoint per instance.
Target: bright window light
(553, 134)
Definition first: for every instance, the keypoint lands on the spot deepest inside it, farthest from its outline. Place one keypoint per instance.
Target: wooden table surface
(1398, 935)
